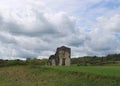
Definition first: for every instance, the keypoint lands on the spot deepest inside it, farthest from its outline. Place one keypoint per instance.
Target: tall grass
(58, 76)
(113, 71)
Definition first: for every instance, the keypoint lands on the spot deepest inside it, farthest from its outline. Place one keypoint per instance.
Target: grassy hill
(60, 76)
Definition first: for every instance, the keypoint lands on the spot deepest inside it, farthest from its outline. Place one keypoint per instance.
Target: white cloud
(32, 28)
(111, 23)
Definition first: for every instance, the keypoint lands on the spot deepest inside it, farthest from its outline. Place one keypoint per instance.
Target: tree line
(111, 59)
(28, 61)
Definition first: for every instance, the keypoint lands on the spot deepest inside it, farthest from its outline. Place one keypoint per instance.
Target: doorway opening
(63, 61)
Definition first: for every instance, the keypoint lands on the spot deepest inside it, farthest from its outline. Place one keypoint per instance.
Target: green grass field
(60, 76)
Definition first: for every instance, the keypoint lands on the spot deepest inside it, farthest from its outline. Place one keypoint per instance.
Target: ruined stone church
(62, 57)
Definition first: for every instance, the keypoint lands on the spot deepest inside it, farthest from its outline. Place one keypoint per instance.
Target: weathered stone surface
(61, 57)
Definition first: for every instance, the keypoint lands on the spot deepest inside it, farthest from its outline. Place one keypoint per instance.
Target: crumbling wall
(61, 57)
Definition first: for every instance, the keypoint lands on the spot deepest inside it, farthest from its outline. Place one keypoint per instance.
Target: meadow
(60, 76)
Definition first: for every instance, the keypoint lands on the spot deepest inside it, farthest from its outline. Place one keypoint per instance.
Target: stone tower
(62, 57)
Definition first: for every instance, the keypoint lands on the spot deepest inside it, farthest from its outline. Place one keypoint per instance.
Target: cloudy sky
(35, 28)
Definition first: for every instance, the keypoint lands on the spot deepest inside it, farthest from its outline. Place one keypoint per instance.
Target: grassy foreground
(60, 76)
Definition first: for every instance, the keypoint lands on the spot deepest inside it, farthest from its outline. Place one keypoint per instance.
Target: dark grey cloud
(39, 40)
(7, 39)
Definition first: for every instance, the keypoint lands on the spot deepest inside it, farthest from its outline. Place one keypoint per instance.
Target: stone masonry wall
(61, 57)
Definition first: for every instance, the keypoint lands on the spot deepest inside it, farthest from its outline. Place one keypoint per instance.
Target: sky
(35, 28)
